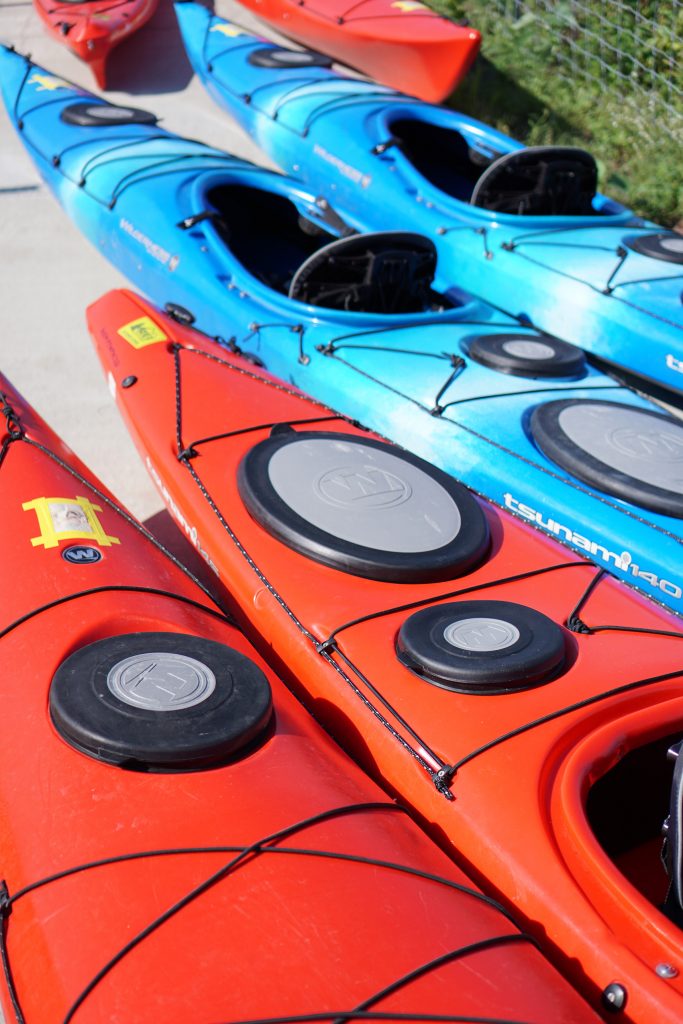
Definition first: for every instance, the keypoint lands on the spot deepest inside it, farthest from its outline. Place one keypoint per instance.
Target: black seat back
(381, 272)
(540, 180)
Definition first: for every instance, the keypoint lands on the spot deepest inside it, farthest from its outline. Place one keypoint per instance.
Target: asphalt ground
(49, 273)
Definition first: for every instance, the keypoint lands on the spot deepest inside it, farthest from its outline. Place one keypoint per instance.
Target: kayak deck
(475, 755)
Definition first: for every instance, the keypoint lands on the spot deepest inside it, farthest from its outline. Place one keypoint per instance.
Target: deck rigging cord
(441, 771)
(246, 854)
(440, 411)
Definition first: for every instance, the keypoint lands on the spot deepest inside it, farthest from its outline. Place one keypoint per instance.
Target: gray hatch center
(633, 442)
(111, 113)
(364, 495)
(481, 634)
(287, 57)
(527, 348)
(161, 681)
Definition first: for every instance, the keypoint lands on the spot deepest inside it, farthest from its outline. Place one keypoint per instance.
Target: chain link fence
(631, 47)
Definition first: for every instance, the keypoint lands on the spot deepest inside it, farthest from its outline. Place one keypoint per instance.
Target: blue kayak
(361, 322)
(523, 228)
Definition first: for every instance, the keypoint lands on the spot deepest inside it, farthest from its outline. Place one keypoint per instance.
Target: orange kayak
(520, 701)
(401, 43)
(92, 28)
(179, 840)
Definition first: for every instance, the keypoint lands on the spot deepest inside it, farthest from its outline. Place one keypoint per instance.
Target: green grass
(521, 85)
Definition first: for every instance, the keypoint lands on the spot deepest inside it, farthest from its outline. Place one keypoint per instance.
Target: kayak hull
(404, 45)
(263, 876)
(92, 30)
(390, 159)
(498, 754)
(184, 222)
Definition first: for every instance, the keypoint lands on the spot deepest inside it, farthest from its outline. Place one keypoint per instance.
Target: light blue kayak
(360, 321)
(523, 228)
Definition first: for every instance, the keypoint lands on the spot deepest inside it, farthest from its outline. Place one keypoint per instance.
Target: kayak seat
(380, 272)
(541, 181)
(263, 231)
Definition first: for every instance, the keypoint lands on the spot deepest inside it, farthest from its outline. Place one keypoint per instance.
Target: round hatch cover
(278, 57)
(363, 506)
(488, 647)
(528, 355)
(662, 245)
(159, 701)
(161, 681)
(631, 453)
(93, 114)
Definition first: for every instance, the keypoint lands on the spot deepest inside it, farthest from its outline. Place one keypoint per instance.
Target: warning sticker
(141, 332)
(65, 519)
(227, 29)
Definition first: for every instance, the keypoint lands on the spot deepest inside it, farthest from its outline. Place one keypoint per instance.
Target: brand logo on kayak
(67, 519)
(623, 561)
(142, 332)
(673, 363)
(661, 445)
(371, 487)
(161, 681)
(157, 252)
(226, 29)
(346, 169)
(190, 531)
(82, 554)
(48, 83)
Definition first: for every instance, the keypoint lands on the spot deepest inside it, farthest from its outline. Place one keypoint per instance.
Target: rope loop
(12, 423)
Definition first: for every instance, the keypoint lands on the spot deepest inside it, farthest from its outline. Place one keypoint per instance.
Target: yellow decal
(227, 29)
(47, 83)
(66, 519)
(409, 5)
(141, 332)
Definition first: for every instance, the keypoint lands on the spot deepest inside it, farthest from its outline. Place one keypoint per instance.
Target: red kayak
(522, 702)
(401, 43)
(92, 28)
(179, 840)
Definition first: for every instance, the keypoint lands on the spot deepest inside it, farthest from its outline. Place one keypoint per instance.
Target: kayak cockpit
(617, 811)
(265, 232)
(535, 181)
(385, 272)
(627, 807)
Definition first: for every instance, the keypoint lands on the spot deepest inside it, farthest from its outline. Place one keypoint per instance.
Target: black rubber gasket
(466, 550)
(567, 360)
(552, 440)
(92, 114)
(279, 57)
(536, 656)
(651, 245)
(91, 718)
